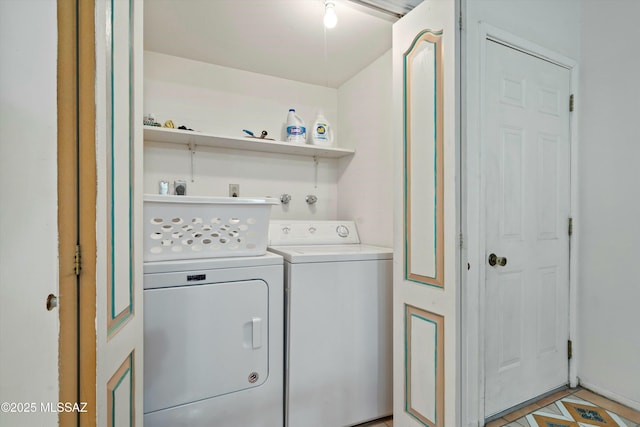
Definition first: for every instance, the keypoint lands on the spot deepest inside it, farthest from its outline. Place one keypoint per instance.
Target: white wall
(365, 183)
(28, 208)
(223, 101)
(555, 26)
(609, 291)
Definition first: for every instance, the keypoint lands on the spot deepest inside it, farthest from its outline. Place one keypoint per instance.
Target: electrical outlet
(234, 190)
(180, 187)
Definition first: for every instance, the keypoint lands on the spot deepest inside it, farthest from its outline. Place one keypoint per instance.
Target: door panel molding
(424, 366)
(120, 128)
(423, 147)
(121, 395)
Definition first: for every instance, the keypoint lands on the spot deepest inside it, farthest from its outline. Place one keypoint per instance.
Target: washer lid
(211, 263)
(331, 253)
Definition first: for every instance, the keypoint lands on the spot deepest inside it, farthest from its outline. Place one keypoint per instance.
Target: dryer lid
(187, 265)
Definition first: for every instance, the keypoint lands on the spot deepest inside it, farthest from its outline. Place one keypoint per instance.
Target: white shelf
(186, 137)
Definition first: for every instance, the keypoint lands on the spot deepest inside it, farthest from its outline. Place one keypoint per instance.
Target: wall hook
(285, 199)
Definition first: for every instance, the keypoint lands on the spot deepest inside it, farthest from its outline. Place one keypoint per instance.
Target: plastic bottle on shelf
(296, 130)
(321, 133)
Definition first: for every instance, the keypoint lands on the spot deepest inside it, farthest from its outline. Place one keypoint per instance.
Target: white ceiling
(283, 38)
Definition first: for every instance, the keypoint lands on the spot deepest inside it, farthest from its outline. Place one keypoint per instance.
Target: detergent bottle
(296, 130)
(321, 133)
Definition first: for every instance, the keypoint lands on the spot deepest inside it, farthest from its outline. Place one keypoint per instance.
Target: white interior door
(29, 251)
(119, 326)
(425, 308)
(527, 167)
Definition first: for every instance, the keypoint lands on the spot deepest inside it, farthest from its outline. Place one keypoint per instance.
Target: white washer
(338, 318)
(213, 342)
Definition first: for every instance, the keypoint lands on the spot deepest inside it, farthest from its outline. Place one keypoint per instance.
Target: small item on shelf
(180, 187)
(168, 124)
(321, 133)
(164, 187)
(150, 120)
(296, 130)
(263, 135)
(183, 127)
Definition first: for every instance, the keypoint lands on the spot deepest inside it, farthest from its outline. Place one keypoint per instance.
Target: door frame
(473, 290)
(77, 213)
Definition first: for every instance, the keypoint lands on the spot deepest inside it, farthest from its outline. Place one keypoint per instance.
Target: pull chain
(315, 172)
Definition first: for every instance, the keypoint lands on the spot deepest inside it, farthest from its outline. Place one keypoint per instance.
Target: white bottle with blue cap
(296, 130)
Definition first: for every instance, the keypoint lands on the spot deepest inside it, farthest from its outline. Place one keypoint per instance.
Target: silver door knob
(497, 260)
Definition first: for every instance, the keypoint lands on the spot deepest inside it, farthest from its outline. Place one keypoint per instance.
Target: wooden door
(119, 207)
(426, 251)
(527, 169)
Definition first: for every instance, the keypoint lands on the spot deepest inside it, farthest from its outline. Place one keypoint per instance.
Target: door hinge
(570, 230)
(569, 349)
(460, 240)
(571, 103)
(460, 21)
(77, 261)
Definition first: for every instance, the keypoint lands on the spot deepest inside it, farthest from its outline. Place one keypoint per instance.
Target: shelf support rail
(315, 172)
(192, 150)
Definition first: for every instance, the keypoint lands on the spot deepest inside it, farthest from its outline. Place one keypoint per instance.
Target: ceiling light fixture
(330, 18)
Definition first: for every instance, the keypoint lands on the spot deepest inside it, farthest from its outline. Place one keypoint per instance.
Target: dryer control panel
(301, 232)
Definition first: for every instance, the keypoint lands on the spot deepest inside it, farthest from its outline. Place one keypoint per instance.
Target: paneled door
(425, 308)
(119, 325)
(527, 168)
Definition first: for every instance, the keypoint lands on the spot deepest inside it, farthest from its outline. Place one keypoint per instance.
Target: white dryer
(213, 342)
(338, 296)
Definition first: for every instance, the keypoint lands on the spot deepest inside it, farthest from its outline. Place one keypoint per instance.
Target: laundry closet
(458, 71)
(314, 326)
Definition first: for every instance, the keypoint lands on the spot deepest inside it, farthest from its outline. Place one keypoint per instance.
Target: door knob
(497, 260)
(52, 302)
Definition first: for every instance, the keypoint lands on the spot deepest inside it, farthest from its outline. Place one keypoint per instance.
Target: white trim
(575, 238)
(490, 32)
(474, 330)
(461, 212)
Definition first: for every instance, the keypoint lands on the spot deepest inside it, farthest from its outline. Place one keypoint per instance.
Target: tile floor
(566, 408)
(384, 422)
(571, 408)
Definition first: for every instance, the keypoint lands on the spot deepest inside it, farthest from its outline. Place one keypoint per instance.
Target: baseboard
(610, 395)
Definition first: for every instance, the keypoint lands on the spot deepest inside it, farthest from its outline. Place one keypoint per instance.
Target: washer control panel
(301, 232)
